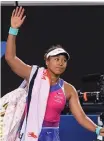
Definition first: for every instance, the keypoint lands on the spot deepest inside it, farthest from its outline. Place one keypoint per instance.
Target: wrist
(97, 130)
(14, 27)
(13, 31)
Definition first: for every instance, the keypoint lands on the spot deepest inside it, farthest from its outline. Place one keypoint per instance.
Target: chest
(57, 99)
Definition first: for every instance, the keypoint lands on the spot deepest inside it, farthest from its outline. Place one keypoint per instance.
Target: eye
(65, 60)
(57, 59)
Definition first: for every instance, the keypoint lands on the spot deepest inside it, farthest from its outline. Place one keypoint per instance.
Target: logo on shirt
(59, 93)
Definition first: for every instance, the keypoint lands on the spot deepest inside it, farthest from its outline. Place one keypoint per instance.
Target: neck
(54, 78)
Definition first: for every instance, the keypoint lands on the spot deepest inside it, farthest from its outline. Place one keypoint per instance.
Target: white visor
(58, 51)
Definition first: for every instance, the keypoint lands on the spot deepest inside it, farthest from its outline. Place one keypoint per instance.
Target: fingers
(13, 13)
(23, 19)
(22, 12)
(18, 12)
(102, 132)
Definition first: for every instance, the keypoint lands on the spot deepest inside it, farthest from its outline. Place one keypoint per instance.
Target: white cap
(58, 51)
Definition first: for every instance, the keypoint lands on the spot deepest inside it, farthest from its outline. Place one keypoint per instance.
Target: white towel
(37, 107)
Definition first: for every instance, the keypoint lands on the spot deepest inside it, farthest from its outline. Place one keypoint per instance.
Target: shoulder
(69, 89)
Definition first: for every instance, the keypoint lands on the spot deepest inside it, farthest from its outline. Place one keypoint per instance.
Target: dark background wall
(80, 29)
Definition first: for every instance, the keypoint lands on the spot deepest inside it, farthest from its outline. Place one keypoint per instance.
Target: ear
(47, 62)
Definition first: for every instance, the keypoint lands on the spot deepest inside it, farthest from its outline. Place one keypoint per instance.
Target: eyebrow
(59, 56)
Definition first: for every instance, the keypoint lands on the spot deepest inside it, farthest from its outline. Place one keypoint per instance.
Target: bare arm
(78, 112)
(17, 65)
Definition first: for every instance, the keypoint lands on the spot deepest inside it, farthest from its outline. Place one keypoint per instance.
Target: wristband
(13, 31)
(98, 130)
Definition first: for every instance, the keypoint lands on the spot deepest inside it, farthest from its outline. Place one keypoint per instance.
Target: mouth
(58, 68)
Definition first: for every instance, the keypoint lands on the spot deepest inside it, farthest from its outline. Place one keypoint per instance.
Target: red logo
(44, 74)
(31, 134)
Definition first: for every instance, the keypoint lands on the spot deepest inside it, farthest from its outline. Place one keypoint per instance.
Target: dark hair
(52, 48)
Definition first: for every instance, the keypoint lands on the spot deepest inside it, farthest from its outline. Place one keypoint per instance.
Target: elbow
(8, 58)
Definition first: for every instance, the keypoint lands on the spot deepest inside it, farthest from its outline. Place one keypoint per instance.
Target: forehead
(60, 56)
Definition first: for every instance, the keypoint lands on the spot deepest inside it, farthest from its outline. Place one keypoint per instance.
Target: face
(57, 64)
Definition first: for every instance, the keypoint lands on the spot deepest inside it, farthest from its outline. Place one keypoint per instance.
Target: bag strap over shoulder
(24, 82)
(30, 88)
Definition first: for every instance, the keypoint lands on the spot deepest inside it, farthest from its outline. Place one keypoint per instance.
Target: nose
(61, 63)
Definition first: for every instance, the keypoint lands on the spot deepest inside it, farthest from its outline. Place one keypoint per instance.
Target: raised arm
(17, 65)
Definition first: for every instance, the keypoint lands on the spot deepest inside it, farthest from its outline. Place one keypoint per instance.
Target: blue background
(70, 130)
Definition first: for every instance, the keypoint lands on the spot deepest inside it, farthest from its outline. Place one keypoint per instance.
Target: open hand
(17, 17)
